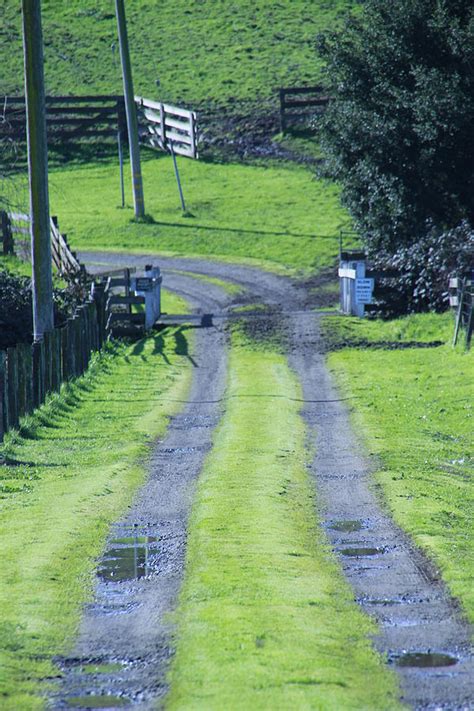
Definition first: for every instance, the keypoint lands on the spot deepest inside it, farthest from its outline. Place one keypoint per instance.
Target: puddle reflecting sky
(126, 559)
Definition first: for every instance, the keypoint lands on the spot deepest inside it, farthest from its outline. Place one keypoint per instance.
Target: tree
(398, 133)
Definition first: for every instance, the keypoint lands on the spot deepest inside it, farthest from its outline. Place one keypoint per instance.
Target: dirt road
(127, 626)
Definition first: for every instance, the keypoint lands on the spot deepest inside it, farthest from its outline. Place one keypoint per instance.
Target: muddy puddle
(347, 526)
(361, 552)
(127, 558)
(426, 660)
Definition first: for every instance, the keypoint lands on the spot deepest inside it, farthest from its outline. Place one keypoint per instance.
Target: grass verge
(71, 470)
(416, 409)
(265, 618)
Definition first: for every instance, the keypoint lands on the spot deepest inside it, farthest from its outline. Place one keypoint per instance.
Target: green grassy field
(415, 407)
(70, 472)
(265, 618)
(199, 51)
(277, 215)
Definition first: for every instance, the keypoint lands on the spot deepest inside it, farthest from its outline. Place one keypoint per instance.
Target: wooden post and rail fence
(300, 104)
(15, 234)
(29, 372)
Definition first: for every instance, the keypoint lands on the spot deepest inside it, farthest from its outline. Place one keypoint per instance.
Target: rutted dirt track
(128, 622)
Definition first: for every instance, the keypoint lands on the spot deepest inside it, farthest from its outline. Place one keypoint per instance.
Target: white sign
(363, 291)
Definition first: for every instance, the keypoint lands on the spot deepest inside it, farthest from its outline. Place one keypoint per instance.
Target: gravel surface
(128, 622)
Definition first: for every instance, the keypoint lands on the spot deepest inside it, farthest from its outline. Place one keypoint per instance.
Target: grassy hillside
(277, 214)
(200, 51)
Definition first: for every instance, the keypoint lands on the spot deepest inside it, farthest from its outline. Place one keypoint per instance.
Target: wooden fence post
(7, 236)
(65, 359)
(282, 111)
(27, 375)
(3, 428)
(38, 373)
(12, 375)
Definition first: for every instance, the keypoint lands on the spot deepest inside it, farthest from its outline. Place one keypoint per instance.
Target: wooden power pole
(43, 318)
(131, 111)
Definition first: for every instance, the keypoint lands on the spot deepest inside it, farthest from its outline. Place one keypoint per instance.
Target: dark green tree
(398, 135)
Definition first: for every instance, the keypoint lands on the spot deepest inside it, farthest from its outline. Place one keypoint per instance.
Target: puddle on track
(361, 552)
(347, 526)
(103, 701)
(426, 660)
(126, 559)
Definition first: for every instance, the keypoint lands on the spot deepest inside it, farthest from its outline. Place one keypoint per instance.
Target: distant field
(199, 51)
(279, 215)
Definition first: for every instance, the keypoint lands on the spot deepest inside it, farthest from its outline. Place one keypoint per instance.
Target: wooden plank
(19, 216)
(107, 111)
(323, 101)
(118, 299)
(169, 109)
(176, 111)
(151, 116)
(20, 230)
(180, 125)
(182, 151)
(178, 138)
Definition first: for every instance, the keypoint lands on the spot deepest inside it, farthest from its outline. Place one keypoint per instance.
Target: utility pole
(42, 282)
(131, 111)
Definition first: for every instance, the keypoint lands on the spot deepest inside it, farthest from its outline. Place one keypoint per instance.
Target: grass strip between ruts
(416, 408)
(73, 469)
(265, 618)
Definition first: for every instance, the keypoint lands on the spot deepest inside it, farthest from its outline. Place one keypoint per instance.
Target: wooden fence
(164, 126)
(16, 234)
(299, 104)
(462, 298)
(29, 372)
(68, 118)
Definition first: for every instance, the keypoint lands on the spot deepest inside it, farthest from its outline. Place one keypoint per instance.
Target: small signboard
(143, 284)
(364, 289)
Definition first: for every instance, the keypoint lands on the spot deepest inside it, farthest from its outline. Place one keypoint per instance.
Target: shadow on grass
(239, 230)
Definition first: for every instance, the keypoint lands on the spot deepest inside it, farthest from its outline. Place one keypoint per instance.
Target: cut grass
(70, 472)
(275, 214)
(265, 618)
(416, 409)
(199, 51)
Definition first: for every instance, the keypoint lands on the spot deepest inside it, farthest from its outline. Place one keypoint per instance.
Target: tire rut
(126, 637)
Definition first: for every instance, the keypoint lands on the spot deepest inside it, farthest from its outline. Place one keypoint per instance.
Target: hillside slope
(200, 51)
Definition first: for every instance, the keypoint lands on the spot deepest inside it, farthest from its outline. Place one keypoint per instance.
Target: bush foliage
(398, 133)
